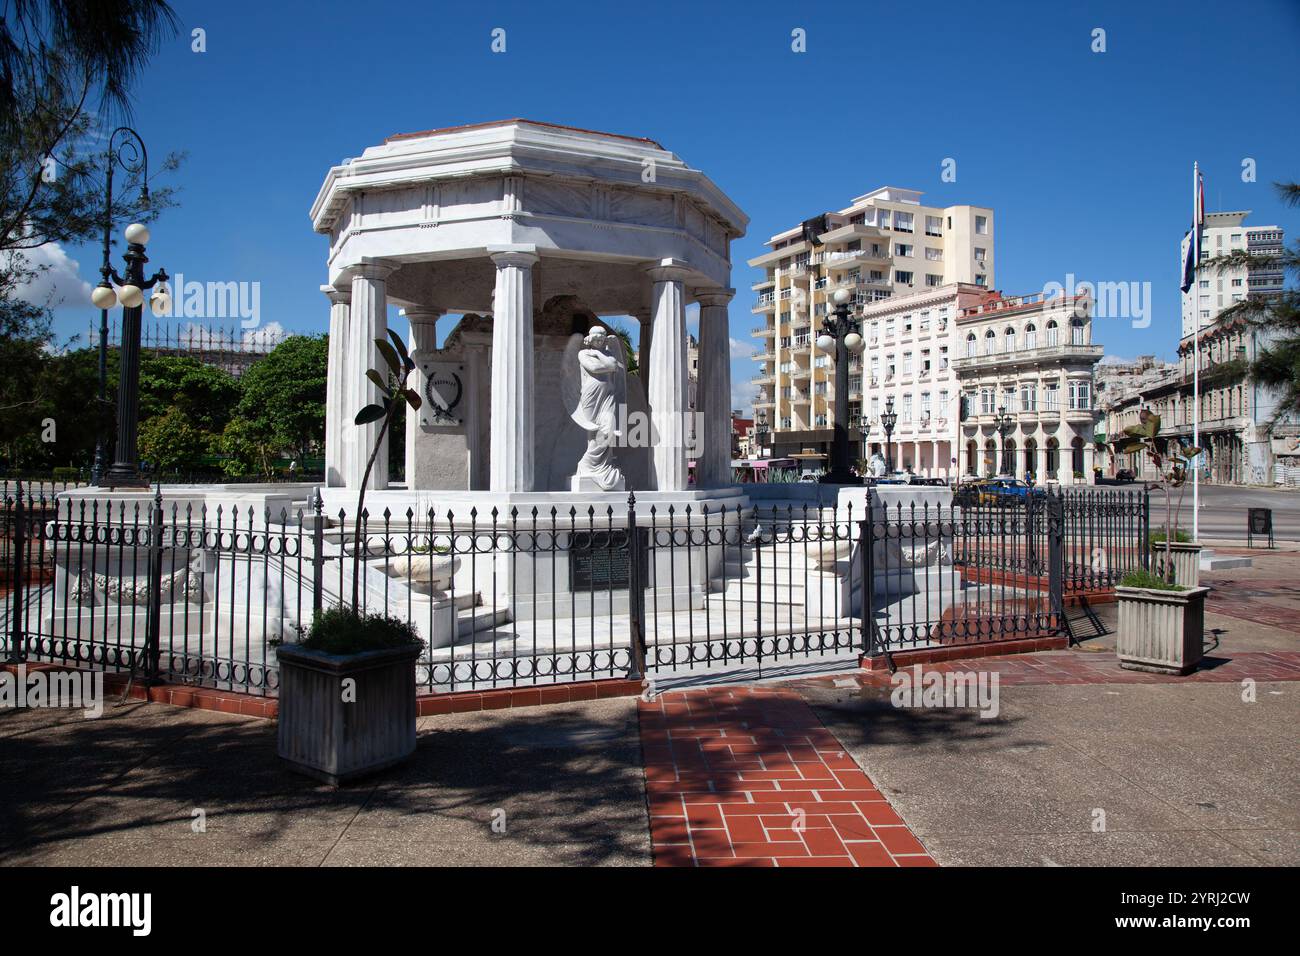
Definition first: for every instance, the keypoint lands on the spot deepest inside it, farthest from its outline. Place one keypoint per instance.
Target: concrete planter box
(334, 740)
(1186, 561)
(1160, 631)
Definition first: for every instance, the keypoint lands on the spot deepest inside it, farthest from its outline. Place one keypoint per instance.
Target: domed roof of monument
(520, 147)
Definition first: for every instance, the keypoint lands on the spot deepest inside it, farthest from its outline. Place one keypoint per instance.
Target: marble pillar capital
(377, 270)
(714, 297)
(519, 256)
(668, 270)
(423, 314)
(337, 296)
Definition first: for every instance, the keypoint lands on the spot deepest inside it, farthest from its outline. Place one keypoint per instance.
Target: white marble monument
(532, 233)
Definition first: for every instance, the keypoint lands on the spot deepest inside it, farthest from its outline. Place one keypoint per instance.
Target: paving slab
(1185, 774)
(536, 785)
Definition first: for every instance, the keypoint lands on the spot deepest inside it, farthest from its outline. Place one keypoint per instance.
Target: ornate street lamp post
(1004, 424)
(888, 420)
(128, 152)
(840, 336)
(125, 149)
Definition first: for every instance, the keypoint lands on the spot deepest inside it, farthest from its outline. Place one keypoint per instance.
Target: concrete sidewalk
(1185, 771)
(564, 782)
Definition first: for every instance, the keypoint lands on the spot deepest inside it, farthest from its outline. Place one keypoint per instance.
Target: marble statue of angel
(594, 385)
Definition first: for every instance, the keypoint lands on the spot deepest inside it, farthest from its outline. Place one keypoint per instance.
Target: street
(1224, 507)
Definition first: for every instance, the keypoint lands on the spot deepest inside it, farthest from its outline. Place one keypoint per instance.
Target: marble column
(1089, 450)
(338, 376)
(369, 321)
(422, 342)
(713, 468)
(511, 446)
(668, 377)
(643, 317)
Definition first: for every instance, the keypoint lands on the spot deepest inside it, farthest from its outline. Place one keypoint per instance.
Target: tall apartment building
(1235, 414)
(884, 245)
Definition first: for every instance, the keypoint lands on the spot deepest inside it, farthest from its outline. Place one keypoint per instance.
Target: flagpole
(1195, 237)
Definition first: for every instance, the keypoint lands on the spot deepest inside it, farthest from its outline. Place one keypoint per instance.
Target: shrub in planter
(1182, 554)
(347, 692)
(1160, 624)
(1162, 616)
(347, 696)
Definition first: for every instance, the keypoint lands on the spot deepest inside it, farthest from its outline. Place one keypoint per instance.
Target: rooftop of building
(519, 121)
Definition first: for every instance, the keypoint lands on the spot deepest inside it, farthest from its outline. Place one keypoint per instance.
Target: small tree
(1171, 464)
(393, 391)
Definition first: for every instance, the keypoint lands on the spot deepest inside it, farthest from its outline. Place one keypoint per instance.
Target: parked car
(1125, 474)
(996, 491)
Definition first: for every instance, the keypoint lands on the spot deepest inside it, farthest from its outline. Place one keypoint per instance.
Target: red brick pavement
(1072, 667)
(748, 776)
(1235, 599)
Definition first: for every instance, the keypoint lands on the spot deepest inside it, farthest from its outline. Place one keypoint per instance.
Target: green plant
(344, 631)
(393, 393)
(1181, 536)
(1145, 579)
(1171, 464)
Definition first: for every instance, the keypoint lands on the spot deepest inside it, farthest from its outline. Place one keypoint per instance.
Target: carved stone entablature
(433, 200)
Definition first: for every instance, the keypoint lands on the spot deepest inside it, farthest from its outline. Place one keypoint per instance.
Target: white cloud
(743, 393)
(1114, 360)
(741, 350)
(59, 284)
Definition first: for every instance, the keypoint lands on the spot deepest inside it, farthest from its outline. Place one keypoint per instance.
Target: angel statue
(594, 384)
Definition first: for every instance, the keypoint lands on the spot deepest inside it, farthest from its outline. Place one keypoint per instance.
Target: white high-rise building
(885, 244)
(1236, 428)
(1214, 291)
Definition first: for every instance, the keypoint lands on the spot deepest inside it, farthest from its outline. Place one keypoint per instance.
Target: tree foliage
(66, 67)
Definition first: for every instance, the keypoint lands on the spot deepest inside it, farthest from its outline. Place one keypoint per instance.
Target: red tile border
(426, 705)
(429, 705)
(748, 776)
(974, 651)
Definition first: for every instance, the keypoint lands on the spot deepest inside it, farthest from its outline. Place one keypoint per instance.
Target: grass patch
(1145, 579)
(340, 631)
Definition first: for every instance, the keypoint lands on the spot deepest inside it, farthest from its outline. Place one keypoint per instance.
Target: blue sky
(1086, 157)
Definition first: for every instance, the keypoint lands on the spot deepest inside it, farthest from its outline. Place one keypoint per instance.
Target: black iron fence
(195, 591)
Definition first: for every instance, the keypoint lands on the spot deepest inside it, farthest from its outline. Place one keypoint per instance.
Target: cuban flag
(1193, 255)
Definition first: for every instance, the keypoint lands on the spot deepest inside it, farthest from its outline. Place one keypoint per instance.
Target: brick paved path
(1240, 598)
(1073, 667)
(748, 776)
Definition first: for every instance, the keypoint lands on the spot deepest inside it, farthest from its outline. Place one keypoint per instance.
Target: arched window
(1009, 337)
(1076, 332)
(1031, 336)
(971, 350)
(990, 342)
(1051, 333)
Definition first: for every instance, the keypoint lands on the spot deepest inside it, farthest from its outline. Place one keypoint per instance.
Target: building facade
(907, 367)
(1025, 372)
(886, 244)
(1236, 428)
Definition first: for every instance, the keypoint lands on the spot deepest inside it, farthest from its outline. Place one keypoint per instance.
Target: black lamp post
(1004, 423)
(840, 335)
(889, 419)
(129, 152)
